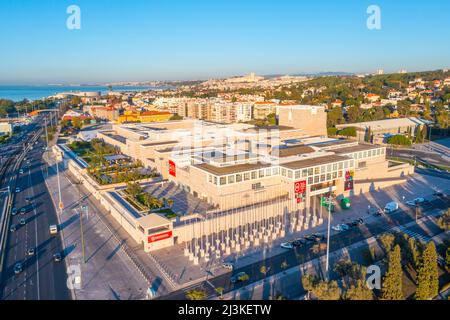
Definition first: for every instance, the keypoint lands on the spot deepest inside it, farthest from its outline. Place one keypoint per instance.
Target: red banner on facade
(300, 186)
(159, 237)
(172, 168)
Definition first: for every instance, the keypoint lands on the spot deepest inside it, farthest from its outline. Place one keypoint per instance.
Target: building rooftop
(386, 124)
(311, 162)
(153, 220)
(221, 171)
(292, 151)
(357, 148)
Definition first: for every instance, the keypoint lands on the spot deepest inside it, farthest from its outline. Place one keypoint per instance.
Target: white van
(53, 229)
(391, 207)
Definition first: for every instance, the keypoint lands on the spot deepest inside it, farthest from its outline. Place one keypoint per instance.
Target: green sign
(325, 202)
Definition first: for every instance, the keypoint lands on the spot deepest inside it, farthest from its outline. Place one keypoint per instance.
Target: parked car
(309, 238)
(415, 201)
(17, 190)
(22, 222)
(298, 242)
(23, 210)
(21, 171)
(240, 277)
(14, 211)
(391, 207)
(13, 228)
(31, 251)
(287, 245)
(228, 265)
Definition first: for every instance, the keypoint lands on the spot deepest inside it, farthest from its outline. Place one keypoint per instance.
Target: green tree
(444, 221)
(399, 140)
(347, 132)
(387, 241)
(196, 295)
(392, 282)
(331, 131)
(358, 291)
(447, 259)
(428, 275)
(327, 290)
(175, 117)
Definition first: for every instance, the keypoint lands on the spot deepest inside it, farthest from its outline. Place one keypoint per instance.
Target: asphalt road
(304, 253)
(41, 278)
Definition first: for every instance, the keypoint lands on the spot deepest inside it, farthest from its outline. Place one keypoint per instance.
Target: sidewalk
(108, 272)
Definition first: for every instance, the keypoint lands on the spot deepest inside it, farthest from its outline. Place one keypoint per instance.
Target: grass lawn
(168, 213)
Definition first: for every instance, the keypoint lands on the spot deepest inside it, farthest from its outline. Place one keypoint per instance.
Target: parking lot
(416, 186)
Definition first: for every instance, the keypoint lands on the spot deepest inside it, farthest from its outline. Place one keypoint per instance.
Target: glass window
(316, 179)
(275, 171)
(238, 177)
(341, 166)
(283, 172)
(334, 175)
(297, 174)
(378, 152)
(230, 179)
(246, 176)
(340, 174)
(322, 178)
(268, 172)
(323, 169)
(304, 173)
(215, 180)
(328, 176)
(369, 153)
(210, 179)
(334, 166)
(352, 163)
(316, 170)
(253, 175)
(261, 173)
(365, 154)
(329, 168)
(223, 180)
(345, 164)
(310, 180)
(382, 151)
(310, 171)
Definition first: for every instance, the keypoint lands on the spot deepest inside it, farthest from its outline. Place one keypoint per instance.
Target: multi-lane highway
(41, 277)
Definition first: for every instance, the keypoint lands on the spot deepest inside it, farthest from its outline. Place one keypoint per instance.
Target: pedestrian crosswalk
(413, 234)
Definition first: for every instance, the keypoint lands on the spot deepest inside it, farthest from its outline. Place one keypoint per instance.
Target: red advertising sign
(172, 168)
(348, 185)
(300, 186)
(159, 237)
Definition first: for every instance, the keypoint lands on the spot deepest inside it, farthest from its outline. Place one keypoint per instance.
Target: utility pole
(327, 264)
(81, 221)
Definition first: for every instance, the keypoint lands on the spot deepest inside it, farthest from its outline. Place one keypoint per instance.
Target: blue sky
(139, 40)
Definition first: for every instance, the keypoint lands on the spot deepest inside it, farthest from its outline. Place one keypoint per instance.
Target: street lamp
(328, 201)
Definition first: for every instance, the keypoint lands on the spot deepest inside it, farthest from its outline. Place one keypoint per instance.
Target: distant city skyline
(198, 40)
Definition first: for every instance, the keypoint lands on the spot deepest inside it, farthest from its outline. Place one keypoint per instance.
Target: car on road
(14, 211)
(31, 251)
(240, 277)
(22, 222)
(57, 257)
(287, 245)
(17, 190)
(228, 265)
(318, 237)
(21, 171)
(18, 268)
(23, 210)
(415, 201)
(28, 199)
(53, 229)
(13, 228)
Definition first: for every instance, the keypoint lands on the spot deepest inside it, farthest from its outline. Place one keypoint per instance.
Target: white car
(337, 228)
(228, 265)
(287, 245)
(415, 201)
